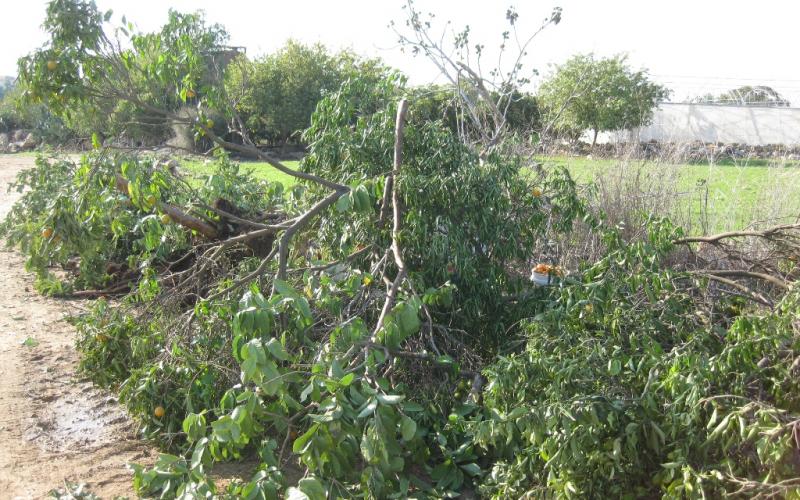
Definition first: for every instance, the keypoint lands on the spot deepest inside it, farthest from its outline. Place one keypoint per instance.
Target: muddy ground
(55, 426)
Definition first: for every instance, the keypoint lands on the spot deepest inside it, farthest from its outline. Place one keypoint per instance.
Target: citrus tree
(372, 331)
(275, 95)
(599, 95)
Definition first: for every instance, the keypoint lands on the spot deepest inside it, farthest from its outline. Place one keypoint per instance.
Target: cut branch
(175, 213)
(737, 273)
(391, 297)
(714, 239)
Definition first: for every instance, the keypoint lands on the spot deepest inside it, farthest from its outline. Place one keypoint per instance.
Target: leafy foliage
(598, 94)
(276, 94)
(621, 378)
(630, 387)
(465, 223)
(74, 78)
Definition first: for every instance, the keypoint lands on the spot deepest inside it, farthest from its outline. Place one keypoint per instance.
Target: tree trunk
(594, 139)
(176, 214)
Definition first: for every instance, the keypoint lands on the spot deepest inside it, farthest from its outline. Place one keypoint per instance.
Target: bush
(257, 325)
(440, 102)
(464, 223)
(276, 95)
(630, 386)
(35, 118)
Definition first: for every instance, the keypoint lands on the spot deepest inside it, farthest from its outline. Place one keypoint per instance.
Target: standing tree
(598, 94)
(275, 95)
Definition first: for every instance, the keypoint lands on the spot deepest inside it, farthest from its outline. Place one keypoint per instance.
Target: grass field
(260, 170)
(716, 197)
(712, 197)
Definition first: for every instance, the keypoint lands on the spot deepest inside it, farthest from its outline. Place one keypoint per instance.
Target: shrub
(276, 94)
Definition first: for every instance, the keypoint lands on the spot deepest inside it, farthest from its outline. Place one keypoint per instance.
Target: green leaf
(390, 399)
(444, 359)
(408, 428)
(472, 469)
(347, 379)
(407, 318)
(194, 425)
(411, 406)
(300, 443)
(312, 488)
(368, 408)
(344, 203)
(30, 342)
(275, 348)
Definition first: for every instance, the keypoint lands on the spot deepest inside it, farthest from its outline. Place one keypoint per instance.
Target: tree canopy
(276, 94)
(746, 95)
(598, 94)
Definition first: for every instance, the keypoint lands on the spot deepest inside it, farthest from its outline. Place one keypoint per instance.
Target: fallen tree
(384, 338)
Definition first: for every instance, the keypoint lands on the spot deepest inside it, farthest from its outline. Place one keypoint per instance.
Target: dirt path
(54, 426)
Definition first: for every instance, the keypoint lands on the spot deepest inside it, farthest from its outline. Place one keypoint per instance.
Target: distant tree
(598, 94)
(275, 95)
(441, 102)
(759, 95)
(6, 84)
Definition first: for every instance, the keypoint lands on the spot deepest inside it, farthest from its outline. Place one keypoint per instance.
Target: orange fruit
(159, 411)
(151, 200)
(209, 123)
(52, 65)
(166, 219)
(190, 93)
(536, 192)
(47, 233)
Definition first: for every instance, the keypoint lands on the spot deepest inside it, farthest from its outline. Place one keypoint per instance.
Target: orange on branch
(159, 411)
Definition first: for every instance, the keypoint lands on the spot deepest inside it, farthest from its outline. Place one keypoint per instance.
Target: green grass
(727, 195)
(717, 197)
(260, 170)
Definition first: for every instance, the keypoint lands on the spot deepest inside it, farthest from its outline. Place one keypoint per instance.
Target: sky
(691, 46)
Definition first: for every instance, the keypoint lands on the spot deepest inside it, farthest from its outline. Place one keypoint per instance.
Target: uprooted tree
(372, 331)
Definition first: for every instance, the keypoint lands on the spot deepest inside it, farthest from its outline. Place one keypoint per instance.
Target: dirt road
(54, 426)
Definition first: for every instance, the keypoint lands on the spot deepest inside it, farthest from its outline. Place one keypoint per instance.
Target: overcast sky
(692, 46)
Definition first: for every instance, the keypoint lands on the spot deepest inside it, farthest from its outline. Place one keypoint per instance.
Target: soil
(55, 426)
